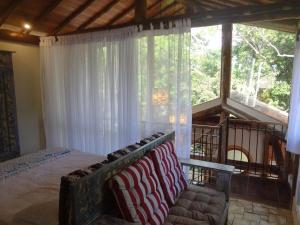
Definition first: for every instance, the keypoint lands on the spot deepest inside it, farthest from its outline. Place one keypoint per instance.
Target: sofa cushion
(169, 171)
(139, 194)
(197, 205)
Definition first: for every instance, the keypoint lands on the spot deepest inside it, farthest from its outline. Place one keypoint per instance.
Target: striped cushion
(169, 171)
(139, 194)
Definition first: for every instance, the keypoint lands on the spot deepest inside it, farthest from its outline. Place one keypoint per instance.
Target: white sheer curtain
(293, 134)
(105, 90)
(165, 82)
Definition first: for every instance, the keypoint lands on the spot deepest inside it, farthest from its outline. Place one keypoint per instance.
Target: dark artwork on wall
(9, 140)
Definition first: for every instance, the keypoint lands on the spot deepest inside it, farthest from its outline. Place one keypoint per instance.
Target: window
(205, 63)
(237, 155)
(262, 68)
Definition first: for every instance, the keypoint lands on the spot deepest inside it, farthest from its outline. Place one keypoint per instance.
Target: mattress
(29, 185)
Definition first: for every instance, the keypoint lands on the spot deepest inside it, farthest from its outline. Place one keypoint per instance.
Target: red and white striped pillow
(139, 194)
(169, 171)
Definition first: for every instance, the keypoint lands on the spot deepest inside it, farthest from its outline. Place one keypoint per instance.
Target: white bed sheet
(29, 192)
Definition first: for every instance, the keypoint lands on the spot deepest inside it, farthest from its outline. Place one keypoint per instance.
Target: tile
(261, 210)
(252, 217)
(236, 209)
(242, 212)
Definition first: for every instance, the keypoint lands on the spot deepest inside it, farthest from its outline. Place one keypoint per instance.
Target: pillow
(78, 174)
(139, 194)
(169, 171)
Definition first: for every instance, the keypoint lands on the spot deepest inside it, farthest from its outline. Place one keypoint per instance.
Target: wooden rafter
(248, 14)
(37, 21)
(154, 5)
(140, 11)
(8, 10)
(224, 3)
(120, 15)
(209, 4)
(189, 5)
(97, 15)
(231, 15)
(74, 14)
(241, 3)
(166, 8)
(177, 11)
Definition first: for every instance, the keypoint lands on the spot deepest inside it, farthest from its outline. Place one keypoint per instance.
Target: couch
(144, 184)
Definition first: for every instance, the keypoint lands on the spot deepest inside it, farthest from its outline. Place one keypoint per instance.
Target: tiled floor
(269, 191)
(242, 212)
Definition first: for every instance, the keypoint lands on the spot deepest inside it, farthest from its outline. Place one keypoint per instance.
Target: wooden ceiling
(57, 17)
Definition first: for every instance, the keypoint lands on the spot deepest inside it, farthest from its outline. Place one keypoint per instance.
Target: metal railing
(255, 148)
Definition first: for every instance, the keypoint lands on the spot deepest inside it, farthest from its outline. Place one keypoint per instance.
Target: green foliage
(262, 62)
(205, 64)
(262, 65)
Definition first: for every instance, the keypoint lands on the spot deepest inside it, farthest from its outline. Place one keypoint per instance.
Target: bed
(29, 185)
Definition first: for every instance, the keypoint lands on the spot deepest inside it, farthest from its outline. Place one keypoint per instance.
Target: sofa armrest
(224, 173)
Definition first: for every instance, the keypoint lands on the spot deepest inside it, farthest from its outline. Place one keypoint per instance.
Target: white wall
(26, 65)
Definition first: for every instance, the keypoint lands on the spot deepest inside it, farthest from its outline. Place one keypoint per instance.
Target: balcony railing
(256, 149)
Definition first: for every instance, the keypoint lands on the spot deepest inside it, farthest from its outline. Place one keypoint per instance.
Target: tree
(205, 64)
(262, 65)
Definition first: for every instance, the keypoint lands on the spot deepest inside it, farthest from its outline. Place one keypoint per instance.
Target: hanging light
(27, 26)
(172, 119)
(182, 119)
(160, 97)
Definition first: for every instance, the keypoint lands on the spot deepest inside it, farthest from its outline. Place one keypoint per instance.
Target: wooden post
(295, 174)
(225, 84)
(226, 62)
(140, 11)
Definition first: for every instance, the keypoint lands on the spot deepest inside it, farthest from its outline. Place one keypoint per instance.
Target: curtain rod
(146, 25)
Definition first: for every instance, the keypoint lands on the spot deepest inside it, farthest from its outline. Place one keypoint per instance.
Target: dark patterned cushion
(158, 134)
(118, 154)
(77, 174)
(134, 147)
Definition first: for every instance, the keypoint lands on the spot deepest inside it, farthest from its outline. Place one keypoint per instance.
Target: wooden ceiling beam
(37, 21)
(74, 14)
(242, 3)
(189, 5)
(226, 3)
(177, 11)
(140, 11)
(209, 4)
(163, 10)
(237, 15)
(97, 15)
(46, 11)
(158, 2)
(248, 14)
(120, 15)
(8, 10)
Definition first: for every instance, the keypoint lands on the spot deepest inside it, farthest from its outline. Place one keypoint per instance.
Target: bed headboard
(83, 200)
